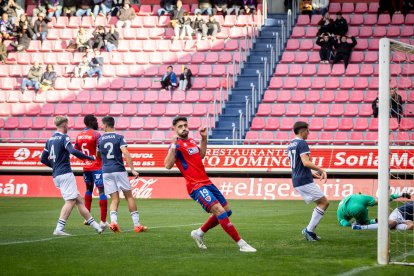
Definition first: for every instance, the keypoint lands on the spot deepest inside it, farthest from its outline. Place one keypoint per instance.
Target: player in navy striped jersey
(111, 146)
(56, 155)
(302, 178)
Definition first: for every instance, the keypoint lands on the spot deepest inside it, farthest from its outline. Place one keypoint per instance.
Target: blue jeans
(43, 36)
(57, 13)
(30, 83)
(100, 8)
(94, 71)
(203, 10)
(110, 47)
(162, 11)
(81, 12)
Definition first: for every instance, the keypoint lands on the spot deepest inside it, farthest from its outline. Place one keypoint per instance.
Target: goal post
(386, 49)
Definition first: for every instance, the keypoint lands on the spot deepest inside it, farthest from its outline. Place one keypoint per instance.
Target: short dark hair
(339, 13)
(89, 120)
(109, 121)
(299, 125)
(169, 66)
(178, 119)
(186, 14)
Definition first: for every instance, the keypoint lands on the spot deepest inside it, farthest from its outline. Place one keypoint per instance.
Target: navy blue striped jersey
(109, 145)
(58, 155)
(301, 175)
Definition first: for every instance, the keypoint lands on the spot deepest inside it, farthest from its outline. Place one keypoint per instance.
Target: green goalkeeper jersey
(355, 207)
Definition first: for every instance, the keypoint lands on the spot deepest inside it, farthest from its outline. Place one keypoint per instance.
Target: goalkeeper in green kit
(356, 207)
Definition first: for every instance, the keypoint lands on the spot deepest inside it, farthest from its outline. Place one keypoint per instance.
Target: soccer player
(111, 146)
(87, 142)
(402, 217)
(355, 207)
(56, 156)
(185, 153)
(299, 155)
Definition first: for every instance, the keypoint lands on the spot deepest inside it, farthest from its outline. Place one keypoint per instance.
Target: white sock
(91, 221)
(370, 227)
(401, 227)
(114, 216)
(317, 215)
(135, 218)
(199, 232)
(61, 225)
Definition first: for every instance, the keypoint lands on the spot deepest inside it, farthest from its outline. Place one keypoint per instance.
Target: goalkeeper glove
(406, 195)
(394, 196)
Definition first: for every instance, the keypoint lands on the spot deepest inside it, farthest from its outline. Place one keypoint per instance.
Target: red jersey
(190, 164)
(87, 141)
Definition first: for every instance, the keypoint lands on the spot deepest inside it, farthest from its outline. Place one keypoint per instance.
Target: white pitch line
(357, 270)
(60, 237)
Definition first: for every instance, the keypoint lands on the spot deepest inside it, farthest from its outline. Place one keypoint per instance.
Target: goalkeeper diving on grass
(355, 207)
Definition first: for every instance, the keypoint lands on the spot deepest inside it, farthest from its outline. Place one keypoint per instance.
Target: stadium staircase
(229, 119)
(336, 102)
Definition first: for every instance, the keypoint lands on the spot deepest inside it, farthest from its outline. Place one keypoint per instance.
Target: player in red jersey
(87, 141)
(187, 156)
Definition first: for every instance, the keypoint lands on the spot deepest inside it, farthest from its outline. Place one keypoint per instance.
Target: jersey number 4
(109, 155)
(292, 157)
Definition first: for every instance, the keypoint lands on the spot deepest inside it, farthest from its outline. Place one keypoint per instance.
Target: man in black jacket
(40, 27)
(98, 37)
(340, 25)
(24, 37)
(213, 27)
(199, 26)
(396, 104)
(343, 50)
(111, 39)
(326, 42)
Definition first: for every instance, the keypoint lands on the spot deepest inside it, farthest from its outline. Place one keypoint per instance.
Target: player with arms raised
(56, 156)
(87, 142)
(185, 153)
(299, 155)
(111, 146)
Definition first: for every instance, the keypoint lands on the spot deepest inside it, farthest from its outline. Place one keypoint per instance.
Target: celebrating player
(299, 155)
(111, 146)
(87, 142)
(56, 156)
(356, 207)
(402, 217)
(185, 153)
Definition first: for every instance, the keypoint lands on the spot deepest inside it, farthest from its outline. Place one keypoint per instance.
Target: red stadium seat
(302, 57)
(264, 110)
(172, 110)
(303, 20)
(130, 110)
(272, 124)
(341, 96)
(361, 8)
(331, 124)
(307, 110)
(252, 137)
(282, 96)
(334, 8)
(286, 123)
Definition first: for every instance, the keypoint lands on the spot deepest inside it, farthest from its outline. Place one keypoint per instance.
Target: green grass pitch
(27, 246)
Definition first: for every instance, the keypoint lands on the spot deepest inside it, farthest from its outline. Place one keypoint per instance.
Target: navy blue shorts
(93, 177)
(207, 196)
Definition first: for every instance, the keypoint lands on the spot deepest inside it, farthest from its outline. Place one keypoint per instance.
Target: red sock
(103, 203)
(228, 227)
(211, 222)
(88, 201)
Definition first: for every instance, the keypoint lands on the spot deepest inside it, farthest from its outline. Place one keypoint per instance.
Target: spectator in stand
(24, 21)
(176, 15)
(220, 6)
(234, 5)
(199, 26)
(69, 7)
(169, 80)
(183, 28)
(185, 79)
(82, 40)
(320, 6)
(407, 6)
(97, 40)
(375, 108)
(96, 64)
(117, 5)
(306, 7)
(325, 25)
(41, 7)
(13, 9)
(24, 37)
(40, 27)
(204, 7)
(54, 8)
(7, 28)
(48, 79)
(3, 51)
(84, 8)
(82, 68)
(33, 78)
(327, 43)
(386, 5)
(111, 39)
(102, 7)
(396, 104)
(213, 27)
(343, 49)
(250, 6)
(340, 26)
(167, 7)
(125, 15)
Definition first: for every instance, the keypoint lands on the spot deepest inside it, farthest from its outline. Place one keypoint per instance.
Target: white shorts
(66, 183)
(115, 182)
(310, 192)
(396, 216)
